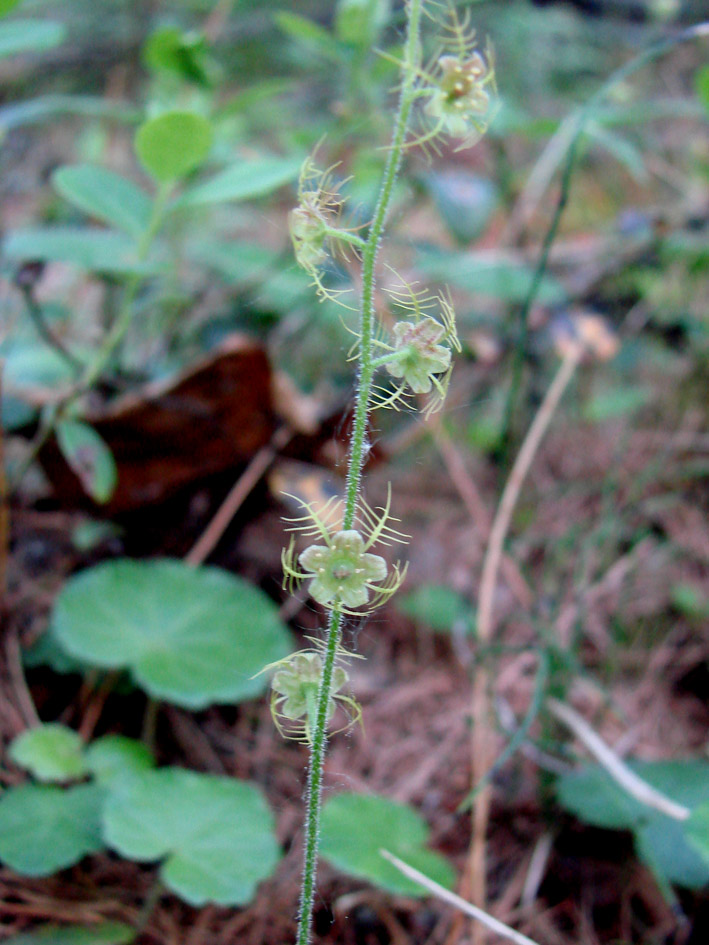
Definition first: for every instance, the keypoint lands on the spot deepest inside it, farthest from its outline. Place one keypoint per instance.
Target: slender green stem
(356, 462)
(92, 371)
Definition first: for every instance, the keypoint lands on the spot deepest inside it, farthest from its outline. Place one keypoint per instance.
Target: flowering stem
(356, 459)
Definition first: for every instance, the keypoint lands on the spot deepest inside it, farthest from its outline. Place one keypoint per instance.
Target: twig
(485, 626)
(504, 931)
(260, 462)
(616, 768)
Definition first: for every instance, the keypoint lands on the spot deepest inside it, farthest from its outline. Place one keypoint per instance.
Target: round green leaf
(115, 757)
(108, 933)
(105, 195)
(191, 636)
(44, 828)
(355, 827)
(172, 145)
(50, 753)
(214, 834)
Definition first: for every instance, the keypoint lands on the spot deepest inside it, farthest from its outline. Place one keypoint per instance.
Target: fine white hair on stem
(440, 892)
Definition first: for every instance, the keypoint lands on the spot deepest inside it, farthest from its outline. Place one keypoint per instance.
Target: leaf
(696, 830)
(50, 752)
(660, 841)
(309, 33)
(44, 828)
(56, 106)
(173, 144)
(612, 402)
(483, 274)
(215, 835)
(435, 605)
(105, 196)
(89, 248)
(89, 458)
(28, 365)
(107, 933)
(6, 6)
(701, 86)
(244, 181)
(22, 36)
(115, 757)
(465, 201)
(356, 826)
(191, 636)
(181, 53)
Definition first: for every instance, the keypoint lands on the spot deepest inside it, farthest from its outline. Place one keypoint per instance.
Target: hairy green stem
(358, 444)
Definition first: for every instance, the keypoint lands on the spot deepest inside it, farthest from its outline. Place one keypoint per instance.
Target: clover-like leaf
(45, 828)
(173, 144)
(107, 933)
(355, 827)
(191, 636)
(50, 752)
(214, 835)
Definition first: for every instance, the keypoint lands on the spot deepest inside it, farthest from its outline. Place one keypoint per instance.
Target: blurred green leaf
(106, 251)
(360, 22)
(701, 85)
(6, 6)
(690, 601)
(50, 752)
(593, 797)
(465, 201)
(107, 933)
(181, 53)
(437, 606)
(20, 36)
(58, 106)
(173, 144)
(28, 365)
(105, 195)
(355, 827)
(696, 830)
(89, 458)
(192, 636)
(310, 33)
(44, 828)
(244, 180)
(615, 402)
(483, 274)
(113, 758)
(215, 835)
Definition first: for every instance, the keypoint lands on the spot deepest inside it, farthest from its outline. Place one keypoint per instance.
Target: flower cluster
(342, 572)
(419, 351)
(294, 693)
(458, 87)
(315, 225)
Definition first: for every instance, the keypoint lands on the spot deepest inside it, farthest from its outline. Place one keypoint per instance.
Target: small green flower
(296, 687)
(421, 356)
(460, 102)
(308, 233)
(343, 571)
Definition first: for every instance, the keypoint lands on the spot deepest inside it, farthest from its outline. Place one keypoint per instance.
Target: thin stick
(260, 462)
(504, 931)
(493, 556)
(616, 768)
